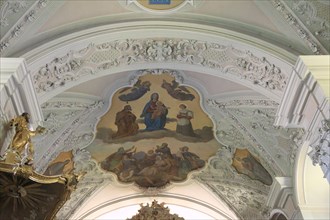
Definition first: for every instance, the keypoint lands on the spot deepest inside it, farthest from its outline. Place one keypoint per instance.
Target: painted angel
(178, 92)
(135, 92)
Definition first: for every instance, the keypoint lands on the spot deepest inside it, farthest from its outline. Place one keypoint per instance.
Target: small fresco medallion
(62, 164)
(161, 5)
(154, 133)
(245, 163)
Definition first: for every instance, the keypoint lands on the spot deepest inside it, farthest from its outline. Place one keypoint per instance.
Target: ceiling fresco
(144, 129)
(227, 143)
(119, 154)
(154, 133)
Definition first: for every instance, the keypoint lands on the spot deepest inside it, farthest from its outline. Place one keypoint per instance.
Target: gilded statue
(21, 144)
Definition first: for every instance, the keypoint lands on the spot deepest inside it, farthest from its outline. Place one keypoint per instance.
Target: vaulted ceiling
(238, 56)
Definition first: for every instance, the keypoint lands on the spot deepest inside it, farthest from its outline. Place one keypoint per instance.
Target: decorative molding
(320, 153)
(246, 202)
(168, 9)
(277, 141)
(213, 173)
(16, 31)
(6, 135)
(66, 130)
(93, 179)
(304, 104)
(248, 103)
(154, 211)
(247, 139)
(281, 198)
(54, 123)
(64, 104)
(179, 76)
(314, 45)
(279, 192)
(238, 64)
(220, 169)
(10, 7)
(245, 196)
(315, 16)
(17, 94)
(241, 125)
(230, 136)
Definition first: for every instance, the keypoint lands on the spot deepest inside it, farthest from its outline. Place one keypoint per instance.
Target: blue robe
(153, 124)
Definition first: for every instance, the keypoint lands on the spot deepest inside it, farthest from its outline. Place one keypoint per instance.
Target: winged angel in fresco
(135, 92)
(178, 92)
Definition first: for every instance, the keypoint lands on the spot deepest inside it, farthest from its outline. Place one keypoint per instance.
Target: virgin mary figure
(154, 113)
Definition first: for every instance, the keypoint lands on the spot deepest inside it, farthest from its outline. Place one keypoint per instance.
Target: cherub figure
(160, 110)
(21, 144)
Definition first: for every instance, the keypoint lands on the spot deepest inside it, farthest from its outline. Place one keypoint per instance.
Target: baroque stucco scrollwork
(10, 7)
(249, 127)
(70, 124)
(245, 195)
(260, 122)
(320, 153)
(286, 8)
(93, 179)
(246, 123)
(248, 140)
(238, 64)
(315, 15)
(175, 73)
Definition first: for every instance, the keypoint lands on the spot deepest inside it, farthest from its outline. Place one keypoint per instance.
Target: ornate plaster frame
(73, 44)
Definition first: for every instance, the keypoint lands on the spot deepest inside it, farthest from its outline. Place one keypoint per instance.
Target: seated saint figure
(126, 123)
(154, 114)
